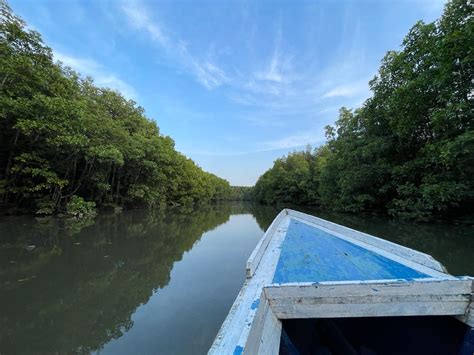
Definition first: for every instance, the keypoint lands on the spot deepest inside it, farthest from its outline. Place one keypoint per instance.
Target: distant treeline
(409, 150)
(64, 141)
(241, 193)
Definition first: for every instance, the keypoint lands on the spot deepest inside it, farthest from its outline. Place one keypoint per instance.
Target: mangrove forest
(67, 145)
(409, 150)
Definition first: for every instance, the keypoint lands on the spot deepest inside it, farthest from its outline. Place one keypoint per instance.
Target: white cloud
(349, 90)
(279, 67)
(139, 19)
(296, 140)
(113, 82)
(273, 72)
(275, 86)
(208, 74)
(282, 89)
(204, 70)
(274, 91)
(99, 73)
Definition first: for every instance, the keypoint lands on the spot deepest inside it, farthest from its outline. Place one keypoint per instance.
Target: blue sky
(236, 84)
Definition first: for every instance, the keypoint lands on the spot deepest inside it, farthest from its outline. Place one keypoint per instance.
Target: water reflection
(153, 281)
(77, 289)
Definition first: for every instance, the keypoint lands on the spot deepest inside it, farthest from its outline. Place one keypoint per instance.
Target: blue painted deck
(309, 254)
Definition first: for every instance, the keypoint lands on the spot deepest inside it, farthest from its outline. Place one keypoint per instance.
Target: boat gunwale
(256, 256)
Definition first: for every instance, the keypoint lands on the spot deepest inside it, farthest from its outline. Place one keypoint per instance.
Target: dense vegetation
(64, 141)
(409, 150)
(241, 193)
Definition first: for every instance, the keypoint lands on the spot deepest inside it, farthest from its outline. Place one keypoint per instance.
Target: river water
(154, 282)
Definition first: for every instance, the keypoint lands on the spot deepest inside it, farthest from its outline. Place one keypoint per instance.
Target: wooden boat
(314, 279)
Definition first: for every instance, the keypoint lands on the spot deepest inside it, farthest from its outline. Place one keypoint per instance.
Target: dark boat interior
(377, 335)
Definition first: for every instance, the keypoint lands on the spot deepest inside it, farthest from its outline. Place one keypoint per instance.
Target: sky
(236, 84)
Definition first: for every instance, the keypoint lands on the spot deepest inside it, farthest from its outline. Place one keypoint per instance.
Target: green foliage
(61, 136)
(409, 150)
(44, 206)
(241, 193)
(77, 207)
(290, 180)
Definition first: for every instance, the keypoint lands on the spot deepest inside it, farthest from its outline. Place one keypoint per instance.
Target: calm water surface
(149, 282)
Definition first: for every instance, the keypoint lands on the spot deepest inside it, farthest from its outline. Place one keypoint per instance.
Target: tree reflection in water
(88, 275)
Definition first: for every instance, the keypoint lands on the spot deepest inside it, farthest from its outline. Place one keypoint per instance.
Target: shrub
(79, 208)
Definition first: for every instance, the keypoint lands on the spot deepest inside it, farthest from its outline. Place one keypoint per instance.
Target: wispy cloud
(271, 87)
(207, 73)
(102, 77)
(349, 90)
(279, 66)
(138, 18)
(204, 70)
(300, 139)
(274, 89)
